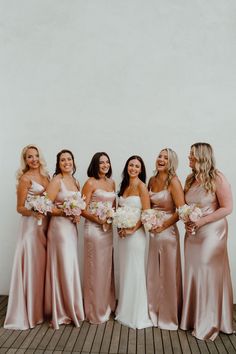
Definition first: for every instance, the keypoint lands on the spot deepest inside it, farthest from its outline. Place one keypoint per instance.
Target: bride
(132, 309)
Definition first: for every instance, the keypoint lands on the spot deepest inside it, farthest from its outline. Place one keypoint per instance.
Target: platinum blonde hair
(204, 170)
(172, 165)
(23, 165)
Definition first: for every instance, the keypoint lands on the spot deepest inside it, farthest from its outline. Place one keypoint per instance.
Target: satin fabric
(63, 295)
(26, 297)
(164, 282)
(132, 309)
(208, 299)
(99, 290)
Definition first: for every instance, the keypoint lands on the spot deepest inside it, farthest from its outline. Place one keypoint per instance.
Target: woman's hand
(75, 219)
(191, 227)
(126, 232)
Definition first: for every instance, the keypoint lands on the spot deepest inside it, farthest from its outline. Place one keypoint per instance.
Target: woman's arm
(22, 191)
(87, 191)
(52, 191)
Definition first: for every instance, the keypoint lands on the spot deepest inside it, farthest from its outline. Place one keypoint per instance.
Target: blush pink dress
(63, 295)
(99, 293)
(208, 300)
(164, 268)
(26, 297)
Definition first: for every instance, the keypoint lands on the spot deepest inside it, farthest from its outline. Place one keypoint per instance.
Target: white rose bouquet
(39, 203)
(189, 213)
(152, 218)
(126, 217)
(74, 204)
(103, 210)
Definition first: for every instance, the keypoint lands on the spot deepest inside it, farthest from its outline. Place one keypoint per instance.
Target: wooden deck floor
(110, 337)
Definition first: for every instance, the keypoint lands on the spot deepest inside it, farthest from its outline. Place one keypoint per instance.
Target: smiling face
(66, 163)
(104, 165)
(134, 168)
(192, 159)
(32, 158)
(162, 161)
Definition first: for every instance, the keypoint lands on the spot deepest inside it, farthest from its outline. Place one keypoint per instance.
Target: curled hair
(58, 169)
(125, 176)
(23, 165)
(172, 165)
(93, 169)
(204, 170)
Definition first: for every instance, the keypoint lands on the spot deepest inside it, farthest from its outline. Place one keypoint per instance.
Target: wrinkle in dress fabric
(208, 297)
(98, 286)
(63, 294)
(26, 297)
(164, 281)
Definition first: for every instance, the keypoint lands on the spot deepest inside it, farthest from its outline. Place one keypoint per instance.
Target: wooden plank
(3, 350)
(89, 338)
(55, 337)
(176, 346)
(140, 341)
(123, 340)
(158, 343)
(81, 337)
(115, 338)
(213, 348)
(5, 334)
(64, 338)
(184, 342)
(72, 339)
(106, 340)
(227, 343)
(149, 342)
(193, 343)
(3, 304)
(98, 338)
(25, 344)
(232, 339)
(202, 346)
(11, 339)
(166, 341)
(132, 341)
(46, 339)
(21, 339)
(40, 334)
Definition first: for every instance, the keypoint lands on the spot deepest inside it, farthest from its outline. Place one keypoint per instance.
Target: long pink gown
(164, 269)
(208, 300)
(63, 295)
(26, 297)
(99, 293)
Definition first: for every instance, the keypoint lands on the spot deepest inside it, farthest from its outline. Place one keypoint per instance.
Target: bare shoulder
(142, 187)
(151, 181)
(24, 181)
(175, 182)
(221, 179)
(90, 183)
(111, 182)
(56, 180)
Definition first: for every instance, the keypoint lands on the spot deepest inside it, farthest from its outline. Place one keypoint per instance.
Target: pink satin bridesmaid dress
(99, 291)
(208, 299)
(26, 297)
(164, 282)
(63, 295)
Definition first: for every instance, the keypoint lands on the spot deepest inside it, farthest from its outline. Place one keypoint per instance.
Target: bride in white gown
(132, 309)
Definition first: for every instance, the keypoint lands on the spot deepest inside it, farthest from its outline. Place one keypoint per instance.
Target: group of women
(45, 281)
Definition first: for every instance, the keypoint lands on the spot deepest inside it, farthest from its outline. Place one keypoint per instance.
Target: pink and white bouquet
(39, 203)
(189, 213)
(74, 204)
(103, 210)
(126, 217)
(152, 218)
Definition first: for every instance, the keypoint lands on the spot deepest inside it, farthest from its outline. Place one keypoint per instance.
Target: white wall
(121, 76)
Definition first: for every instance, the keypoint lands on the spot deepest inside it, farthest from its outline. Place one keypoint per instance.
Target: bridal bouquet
(39, 203)
(126, 217)
(189, 213)
(74, 204)
(152, 218)
(103, 210)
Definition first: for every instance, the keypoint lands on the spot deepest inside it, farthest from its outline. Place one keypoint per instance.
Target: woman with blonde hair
(164, 266)
(26, 298)
(207, 301)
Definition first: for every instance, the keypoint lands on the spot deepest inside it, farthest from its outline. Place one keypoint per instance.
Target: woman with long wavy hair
(207, 298)
(164, 266)
(26, 297)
